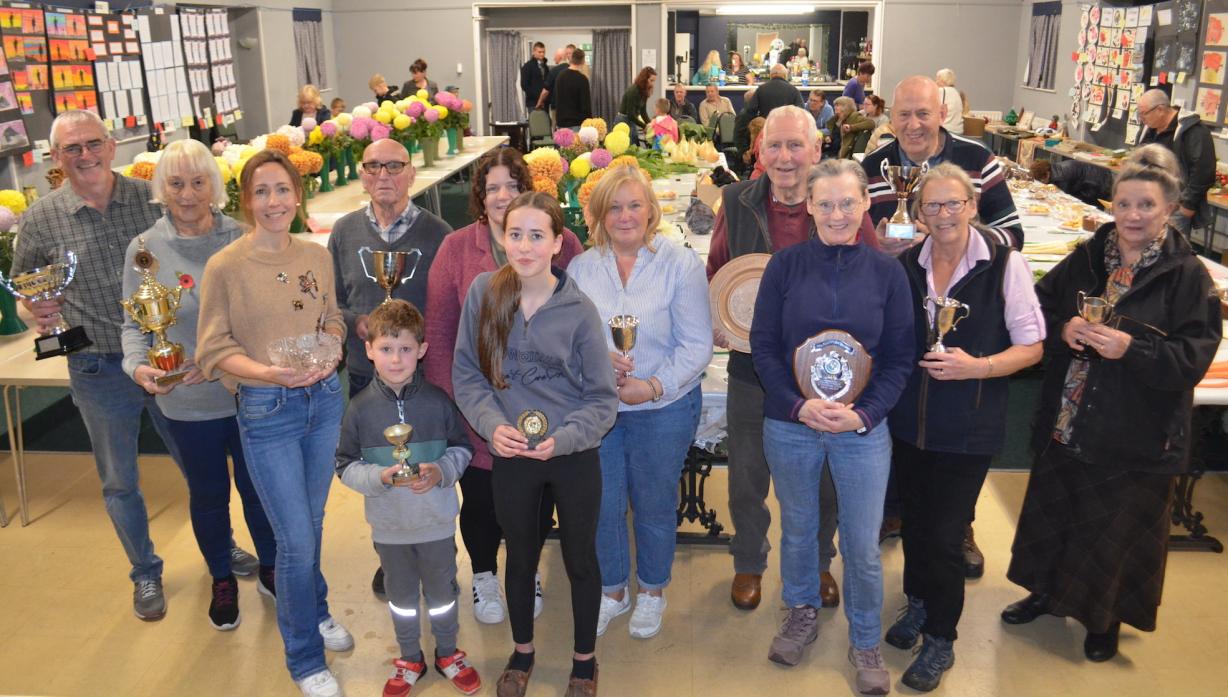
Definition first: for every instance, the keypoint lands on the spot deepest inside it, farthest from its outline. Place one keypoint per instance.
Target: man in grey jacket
(1191, 142)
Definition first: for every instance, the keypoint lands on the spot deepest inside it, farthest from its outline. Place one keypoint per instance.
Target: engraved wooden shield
(832, 365)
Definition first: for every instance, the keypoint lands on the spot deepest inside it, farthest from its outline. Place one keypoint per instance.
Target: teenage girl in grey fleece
(529, 340)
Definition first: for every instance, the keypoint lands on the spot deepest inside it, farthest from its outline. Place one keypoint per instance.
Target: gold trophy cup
(1096, 310)
(48, 283)
(153, 308)
(389, 268)
(398, 435)
(943, 319)
(623, 328)
(902, 179)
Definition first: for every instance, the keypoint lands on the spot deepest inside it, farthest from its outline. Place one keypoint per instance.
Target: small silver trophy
(389, 268)
(943, 319)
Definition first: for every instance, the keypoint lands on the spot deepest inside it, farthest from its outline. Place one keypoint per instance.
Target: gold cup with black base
(48, 283)
(153, 306)
(398, 435)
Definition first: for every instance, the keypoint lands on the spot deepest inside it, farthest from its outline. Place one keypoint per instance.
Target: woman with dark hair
(501, 176)
(1113, 429)
(418, 81)
(634, 106)
(289, 421)
(875, 109)
(542, 396)
(737, 67)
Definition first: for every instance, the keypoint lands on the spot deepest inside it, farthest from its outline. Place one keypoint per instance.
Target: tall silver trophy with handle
(390, 268)
(48, 283)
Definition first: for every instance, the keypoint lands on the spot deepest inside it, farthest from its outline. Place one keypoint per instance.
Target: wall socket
(460, 68)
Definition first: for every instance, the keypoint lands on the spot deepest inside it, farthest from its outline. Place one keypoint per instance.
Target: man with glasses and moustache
(390, 223)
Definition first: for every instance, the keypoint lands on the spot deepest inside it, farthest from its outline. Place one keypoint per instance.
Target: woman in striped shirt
(629, 271)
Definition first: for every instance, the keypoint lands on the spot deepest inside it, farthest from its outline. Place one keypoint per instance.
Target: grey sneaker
(801, 627)
(936, 657)
(872, 676)
(148, 600)
(242, 563)
(903, 634)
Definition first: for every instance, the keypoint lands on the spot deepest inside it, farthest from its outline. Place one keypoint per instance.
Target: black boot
(1102, 647)
(1028, 609)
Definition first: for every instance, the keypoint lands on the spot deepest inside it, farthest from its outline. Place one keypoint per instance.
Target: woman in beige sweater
(262, 287)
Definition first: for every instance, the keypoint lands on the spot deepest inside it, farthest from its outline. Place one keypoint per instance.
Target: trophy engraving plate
(833, 366)
(533, 425)
(732, 295)
(902, 179)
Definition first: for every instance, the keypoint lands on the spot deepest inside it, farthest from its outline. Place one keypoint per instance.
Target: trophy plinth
(943, 319)
(390, 268)
(533, 425)
(153, 306)
(398, 435)
(902, 179)
(624, 328)
(1095, 310)
(48, 283)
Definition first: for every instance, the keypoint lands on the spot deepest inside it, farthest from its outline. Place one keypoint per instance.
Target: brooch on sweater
(307, 284)
(283, 277)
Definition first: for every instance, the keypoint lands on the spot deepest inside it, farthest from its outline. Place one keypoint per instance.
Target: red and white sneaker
(404, 675)
(457, 670)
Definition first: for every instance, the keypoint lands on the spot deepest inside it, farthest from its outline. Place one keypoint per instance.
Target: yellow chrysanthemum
(13, 200)
(580, 168)
(586, 190)
(385, 116)
(546, 186)
(617, 142)
(401, 122)
(224, 168)
(279, 142)
(545, 162)
(599, 124)
(422, 94)
(306, 162)
(316, 137)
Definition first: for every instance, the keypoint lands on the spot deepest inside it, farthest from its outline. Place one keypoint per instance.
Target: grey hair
(831, 168)
(797, 113)
(1152, 163)
(186, 158)
(1155, 97)
(778, 70)
(77, 116)
(944, 172)
(946, 77)
(846, 102)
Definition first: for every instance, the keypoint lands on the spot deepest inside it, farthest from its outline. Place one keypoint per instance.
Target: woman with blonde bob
(532, 375)
(310, 106)
(200, 414)
(631, 271)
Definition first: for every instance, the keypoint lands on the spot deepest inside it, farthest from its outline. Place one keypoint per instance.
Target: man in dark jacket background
(533, 75)
(775, 92)
(1191, 142)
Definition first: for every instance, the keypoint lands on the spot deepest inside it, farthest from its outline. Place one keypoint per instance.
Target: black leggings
(480, 529)
(518, 485)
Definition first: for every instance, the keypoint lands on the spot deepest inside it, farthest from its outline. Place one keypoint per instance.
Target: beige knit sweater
(252, 297)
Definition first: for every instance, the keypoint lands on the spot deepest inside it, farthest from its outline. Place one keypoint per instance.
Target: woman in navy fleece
(832, 281)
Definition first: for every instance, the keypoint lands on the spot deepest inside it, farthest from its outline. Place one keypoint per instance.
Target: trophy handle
(71, 256)
(362, 260)
(958, 317)
(417, 254)
(1080, 297)
(882, 169)
(175, 294)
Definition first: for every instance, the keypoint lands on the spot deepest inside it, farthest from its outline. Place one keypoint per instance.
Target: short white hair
(76, 116)
(778, 70)
(793, 112)
(187, 158)
(946, 77)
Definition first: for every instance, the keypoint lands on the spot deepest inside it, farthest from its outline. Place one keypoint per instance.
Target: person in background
(200, 415)
(336, 106)
(413, 520)
(875, 109)
(709, 70)
(1089, 183)
(663, 124)
(856, 86)
(950, 420)
(952, 99)
(381, 90)
(631, 270)
(776, 92)
(562, 61)
(822, 112)
(310, 106)
(289, 420)
(419, 81)
(529, 318)
(880, 136)
(680, 107)
(1190, 140)
(713, 106)
(634, 105)
(499, 177)
(737, 68)
(573, 100)
(854, 128)
(751, 157)
(1113, 431)
(533, 76)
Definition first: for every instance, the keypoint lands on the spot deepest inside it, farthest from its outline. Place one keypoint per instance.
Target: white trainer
(321, 684)
(611, 608)
(539, 600)
(487, 602)
(336, 637)
(646, 620)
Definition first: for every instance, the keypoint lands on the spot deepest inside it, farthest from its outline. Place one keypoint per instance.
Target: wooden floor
(66, 623)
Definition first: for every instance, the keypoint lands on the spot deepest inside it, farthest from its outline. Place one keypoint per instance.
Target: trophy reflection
(1095, 310)
(48, 283)
(389, 268)
(398, 435)
(902, 179)
(152, 306)
(943, 319)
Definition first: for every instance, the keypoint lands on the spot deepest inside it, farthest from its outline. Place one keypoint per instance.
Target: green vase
(452, 139)
(10, 323)
(339, 165)
(326, 183)
(299, 224)
(352, 161)
(430, 150)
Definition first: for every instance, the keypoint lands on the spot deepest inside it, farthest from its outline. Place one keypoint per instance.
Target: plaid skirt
(1095, 539)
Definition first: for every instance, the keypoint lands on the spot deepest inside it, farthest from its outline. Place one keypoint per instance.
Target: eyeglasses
(94, 146)
(1145, 112)
(933, 207)
(847, 206)
(394, 168)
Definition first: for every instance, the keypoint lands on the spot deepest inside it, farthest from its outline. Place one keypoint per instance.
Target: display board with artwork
(72, 61)
(117, 69)
(25, 54)
(1110, 71)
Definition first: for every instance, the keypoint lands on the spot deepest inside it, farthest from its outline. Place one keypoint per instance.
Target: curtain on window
(1042, 49)
(612, 74)
(504, 57)
(309, 47)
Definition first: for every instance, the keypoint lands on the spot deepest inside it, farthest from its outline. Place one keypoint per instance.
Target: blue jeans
(111, 404)
(289, 440)
(205, 445)
(641, 460)
(859, 467)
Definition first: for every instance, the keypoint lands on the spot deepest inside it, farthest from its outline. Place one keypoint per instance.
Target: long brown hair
(502, 297)
(499, 157)
(641, 80)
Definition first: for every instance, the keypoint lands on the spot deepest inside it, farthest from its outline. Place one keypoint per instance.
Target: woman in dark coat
(634, 105)
(1113, 430)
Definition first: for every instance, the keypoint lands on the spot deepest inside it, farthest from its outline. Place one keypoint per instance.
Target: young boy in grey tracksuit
(413, 522)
